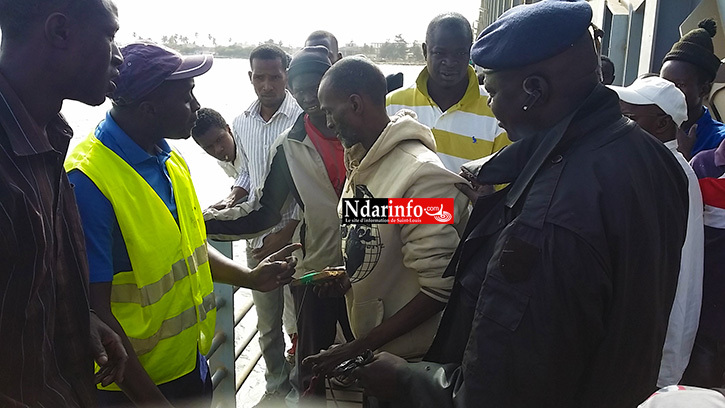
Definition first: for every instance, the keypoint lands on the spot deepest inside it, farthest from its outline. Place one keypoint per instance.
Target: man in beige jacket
(398, 290)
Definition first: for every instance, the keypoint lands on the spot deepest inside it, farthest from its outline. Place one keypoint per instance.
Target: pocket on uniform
(501, 303)
(365, 316)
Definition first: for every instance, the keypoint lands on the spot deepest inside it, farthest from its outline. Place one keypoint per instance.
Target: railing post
(221, 355)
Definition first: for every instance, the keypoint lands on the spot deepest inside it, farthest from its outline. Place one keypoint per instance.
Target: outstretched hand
(275, 270)
(334, 288)
(107, 351)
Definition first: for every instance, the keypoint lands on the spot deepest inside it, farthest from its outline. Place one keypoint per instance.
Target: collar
(25, 135)
(672, 145)
(705, 119)
(287, 108)
(298, 132)
(473, 92)
(120, 142)
(311, 130)
(519, 162)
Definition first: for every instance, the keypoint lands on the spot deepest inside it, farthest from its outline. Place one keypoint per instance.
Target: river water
(225, 88)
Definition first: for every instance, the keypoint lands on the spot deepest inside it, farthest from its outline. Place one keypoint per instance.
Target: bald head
(352, 95)
(357, 76)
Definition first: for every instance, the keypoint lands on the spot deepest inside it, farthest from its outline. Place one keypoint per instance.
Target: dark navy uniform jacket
(565, 279)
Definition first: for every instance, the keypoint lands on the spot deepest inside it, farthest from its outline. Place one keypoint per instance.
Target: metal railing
(223, 353)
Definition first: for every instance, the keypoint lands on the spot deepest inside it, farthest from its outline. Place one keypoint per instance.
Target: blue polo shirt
(106, 249)
(709, 133)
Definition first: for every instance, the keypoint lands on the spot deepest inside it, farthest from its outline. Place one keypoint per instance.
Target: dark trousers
(189, 390)
(707, 363)
(317, 320)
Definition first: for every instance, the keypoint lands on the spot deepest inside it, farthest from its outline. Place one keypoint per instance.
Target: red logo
(420, 210)
(397, 210)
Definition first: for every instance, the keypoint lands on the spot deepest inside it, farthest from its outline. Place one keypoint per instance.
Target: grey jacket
(296, 172)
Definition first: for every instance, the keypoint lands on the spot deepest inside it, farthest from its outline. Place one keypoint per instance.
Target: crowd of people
(579, 265)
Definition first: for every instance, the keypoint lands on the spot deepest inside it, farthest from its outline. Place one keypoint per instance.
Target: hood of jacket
(403, 126)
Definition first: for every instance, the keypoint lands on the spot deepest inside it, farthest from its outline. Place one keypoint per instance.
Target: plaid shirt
(44, 319)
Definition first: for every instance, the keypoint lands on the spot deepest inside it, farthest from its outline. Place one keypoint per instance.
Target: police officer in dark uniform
(566, 277)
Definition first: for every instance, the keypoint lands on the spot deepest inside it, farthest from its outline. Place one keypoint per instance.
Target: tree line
(396, 51)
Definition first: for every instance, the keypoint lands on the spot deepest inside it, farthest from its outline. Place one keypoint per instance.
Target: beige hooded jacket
(390, 264)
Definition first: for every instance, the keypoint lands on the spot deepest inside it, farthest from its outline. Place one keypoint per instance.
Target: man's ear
(250, 76)
(57, 30)
(356, 104)
(537, 89)
(425, 51)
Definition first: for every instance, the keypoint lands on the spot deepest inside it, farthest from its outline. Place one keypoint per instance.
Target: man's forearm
(136, 384)
(236, 195)
(421, 308)
(224, 270)
(248, 220)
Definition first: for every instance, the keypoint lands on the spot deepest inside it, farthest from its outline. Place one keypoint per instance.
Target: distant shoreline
(377, 61)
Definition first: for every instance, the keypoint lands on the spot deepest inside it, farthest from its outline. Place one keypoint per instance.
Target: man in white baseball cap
(660, 108)
(655, 104)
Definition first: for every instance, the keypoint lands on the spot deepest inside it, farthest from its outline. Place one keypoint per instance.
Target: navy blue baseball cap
(147, 65)
(530, 33)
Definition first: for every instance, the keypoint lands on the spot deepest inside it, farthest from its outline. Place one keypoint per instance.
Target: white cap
(654, 90)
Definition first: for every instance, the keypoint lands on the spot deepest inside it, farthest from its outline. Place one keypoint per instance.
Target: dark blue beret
(527, 34)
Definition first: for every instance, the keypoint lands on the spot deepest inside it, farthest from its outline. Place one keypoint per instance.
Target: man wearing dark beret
(692, 65)
(564, 278)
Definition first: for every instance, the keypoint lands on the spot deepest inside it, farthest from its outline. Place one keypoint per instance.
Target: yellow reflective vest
(166, 303)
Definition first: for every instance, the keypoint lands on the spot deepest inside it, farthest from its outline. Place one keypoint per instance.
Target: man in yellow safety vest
(151, 269)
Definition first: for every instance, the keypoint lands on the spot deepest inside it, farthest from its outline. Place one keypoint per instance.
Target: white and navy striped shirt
(254, 137)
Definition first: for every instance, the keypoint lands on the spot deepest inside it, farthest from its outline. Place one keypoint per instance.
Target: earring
(531, 100)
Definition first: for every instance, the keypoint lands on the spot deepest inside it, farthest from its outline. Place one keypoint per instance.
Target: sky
(290, 21)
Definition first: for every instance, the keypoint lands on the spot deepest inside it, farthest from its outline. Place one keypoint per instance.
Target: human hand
(474, 190)
(381, 377)
(334, 288)
(325, 361)
(273, 243)
(107, 351)
(225, 203)
(275, 270)
(685, 142)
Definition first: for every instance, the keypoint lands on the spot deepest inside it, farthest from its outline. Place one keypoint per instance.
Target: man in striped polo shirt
(447, 97)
